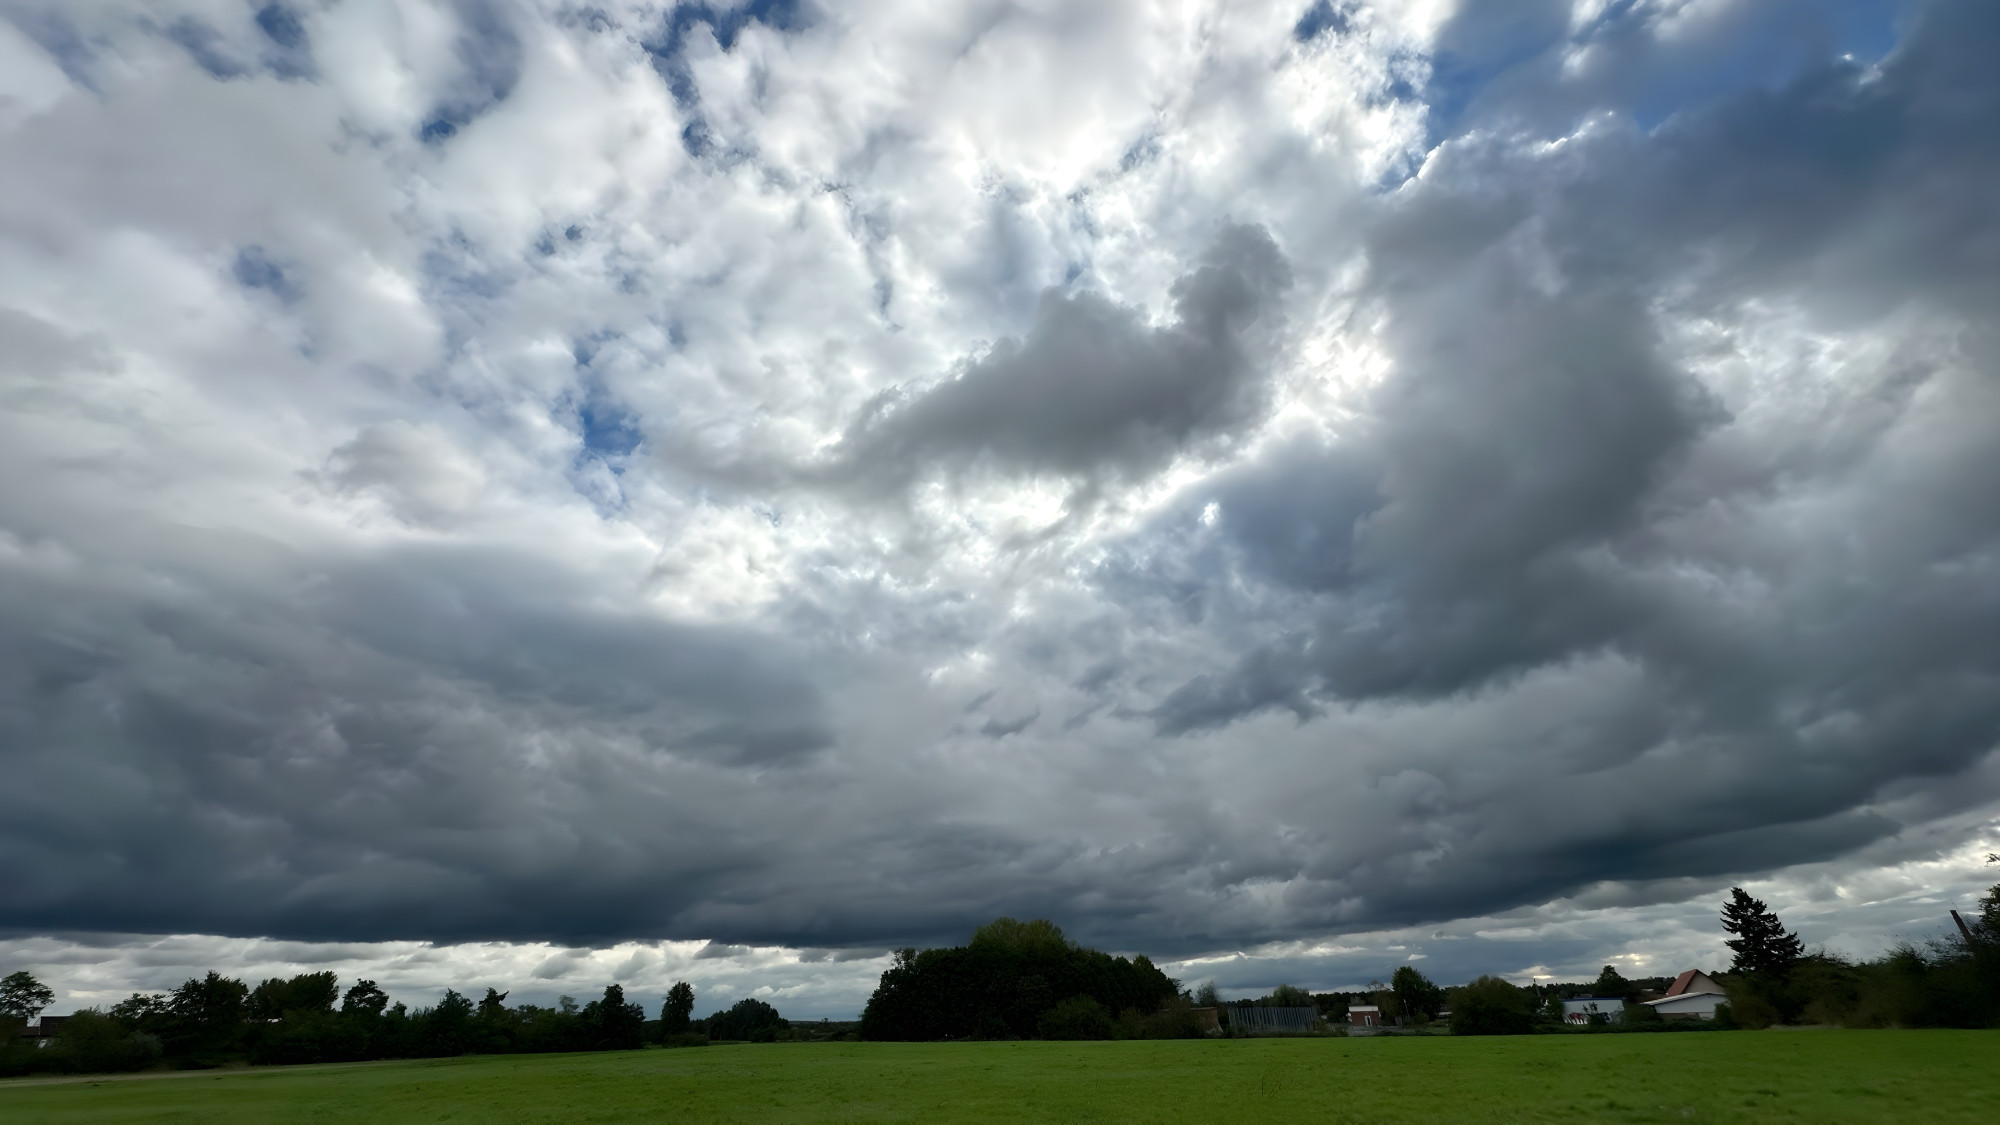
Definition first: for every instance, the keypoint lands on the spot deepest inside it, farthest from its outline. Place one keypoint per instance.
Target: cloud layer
(818, 477)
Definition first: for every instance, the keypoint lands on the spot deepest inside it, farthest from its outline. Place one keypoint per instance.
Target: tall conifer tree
(1762, 944)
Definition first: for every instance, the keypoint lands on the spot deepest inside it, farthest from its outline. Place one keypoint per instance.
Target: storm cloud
(1092, 387)
(732, 490)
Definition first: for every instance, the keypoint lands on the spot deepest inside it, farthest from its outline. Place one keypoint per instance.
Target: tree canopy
(22, 996)
(1001, 983)
(678, 1009)
(1611, 982)
(1491, 1006)
(1416, 996)
(749, 1018)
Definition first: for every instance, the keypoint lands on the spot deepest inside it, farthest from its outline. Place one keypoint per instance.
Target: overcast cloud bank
(1295, 480)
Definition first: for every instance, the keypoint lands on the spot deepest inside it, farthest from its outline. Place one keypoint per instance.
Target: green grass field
(1816, 1076)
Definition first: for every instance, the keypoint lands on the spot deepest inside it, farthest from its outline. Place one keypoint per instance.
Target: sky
(530, 494)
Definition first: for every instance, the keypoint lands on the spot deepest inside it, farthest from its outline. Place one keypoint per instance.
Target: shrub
(1078, 1017)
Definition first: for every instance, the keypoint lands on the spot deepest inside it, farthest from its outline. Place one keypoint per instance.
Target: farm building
(1693, 996)
(1579, 1009)
(1272, 1021)
(1364, 1015)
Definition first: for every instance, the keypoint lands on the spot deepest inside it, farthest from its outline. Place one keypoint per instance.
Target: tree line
(1950, 981)
(1013, 980)
(212, 1020)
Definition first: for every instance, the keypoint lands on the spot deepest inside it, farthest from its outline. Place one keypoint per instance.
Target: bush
(1078, 1017)
(94, 1043)
(1642, 1013)
(1750, 1005)
(1491, 1006)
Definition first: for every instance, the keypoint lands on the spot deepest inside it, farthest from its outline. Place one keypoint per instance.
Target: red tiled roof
(1681, 982)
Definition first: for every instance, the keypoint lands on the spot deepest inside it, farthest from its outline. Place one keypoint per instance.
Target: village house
(46, 1031)
(1364, 1016)
(1693, 996)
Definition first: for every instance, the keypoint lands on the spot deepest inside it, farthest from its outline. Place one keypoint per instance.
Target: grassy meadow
(1807, 1076)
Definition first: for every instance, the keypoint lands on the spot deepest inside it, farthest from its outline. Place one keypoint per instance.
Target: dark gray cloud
(1092, 387)
(435, 741)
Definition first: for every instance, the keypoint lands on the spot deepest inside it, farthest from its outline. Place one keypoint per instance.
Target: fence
(1271, 1021)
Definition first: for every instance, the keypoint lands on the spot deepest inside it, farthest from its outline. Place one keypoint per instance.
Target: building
(46, 1031)
(1693, 996)
(1364, 1015)
(1579, 1009)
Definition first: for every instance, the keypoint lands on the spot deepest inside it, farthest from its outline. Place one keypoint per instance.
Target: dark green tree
(204, 1024)
(305, 993)
(749, 1018)
(23, 997)
(1009, 973)
(446, 1029)
(1039, 937)
(615, 1025)
(1491, 1006)
(365, 997)
(1988, 923)
(142, 1010)
(1416, 996)
(1762, 945)
(678, 1010)
(1611, 983)
(1288, 996)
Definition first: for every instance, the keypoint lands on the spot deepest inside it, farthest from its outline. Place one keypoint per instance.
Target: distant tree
(1611, 983)
(616, 1025)
(305, 993)
(1289, 996)
(1384, 998)
(675, 1013)
(492, 1005)
(140, 1010)
(749, 1018)
(205, 1019)
(1009, 973)
(1039, 937)
(1491, 1006)
(1416, 996)
(22, 996)
(365, 997)
(1205, 996)
(1762, 944)
(446, 1029)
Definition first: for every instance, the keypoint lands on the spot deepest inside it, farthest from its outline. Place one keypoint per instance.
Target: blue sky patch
(670, 51)
(254, 269)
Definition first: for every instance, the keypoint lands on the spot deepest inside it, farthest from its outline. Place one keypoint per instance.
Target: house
(1364, 1015)
(1693, 996)
(1579, 1009)
(47, 1031)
